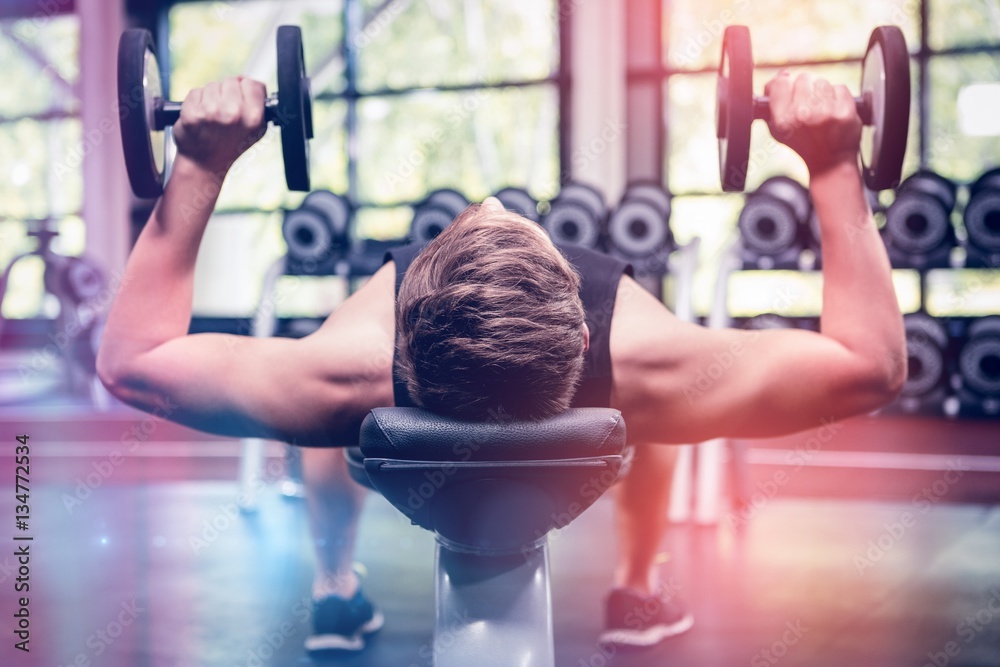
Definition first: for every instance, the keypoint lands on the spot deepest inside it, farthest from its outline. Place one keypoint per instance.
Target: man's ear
(586, 338)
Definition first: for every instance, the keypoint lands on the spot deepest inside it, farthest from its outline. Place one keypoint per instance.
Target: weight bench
(491, 493)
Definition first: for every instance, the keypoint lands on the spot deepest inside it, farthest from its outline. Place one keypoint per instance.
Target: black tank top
(599, 278)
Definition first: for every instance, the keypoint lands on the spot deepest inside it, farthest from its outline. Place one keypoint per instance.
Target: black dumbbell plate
(519, 201)
(885, 81)
(294, 115)
(652, 192)
(638, 227)
(586, 196)
(734, 107)
(429, 220)
(447, 198)
(138, 90)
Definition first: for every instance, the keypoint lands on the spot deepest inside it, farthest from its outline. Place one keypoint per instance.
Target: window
(417, 96)
(40, 151)
(962, 48)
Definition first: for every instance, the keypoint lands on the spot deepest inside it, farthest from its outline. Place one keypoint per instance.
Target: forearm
(153, 304)
(860, 309)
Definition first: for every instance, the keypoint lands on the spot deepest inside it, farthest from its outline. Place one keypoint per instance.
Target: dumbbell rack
(920, 236)
(705, 485)
(328, 251)
(76, 378)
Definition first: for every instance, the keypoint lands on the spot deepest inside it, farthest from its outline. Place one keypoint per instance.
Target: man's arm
(677, 382)
(308, 390)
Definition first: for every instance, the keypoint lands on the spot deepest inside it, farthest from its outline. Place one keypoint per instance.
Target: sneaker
(635, 620)
(340, 624)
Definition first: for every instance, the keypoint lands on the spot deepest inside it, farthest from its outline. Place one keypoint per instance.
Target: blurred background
(415, 97)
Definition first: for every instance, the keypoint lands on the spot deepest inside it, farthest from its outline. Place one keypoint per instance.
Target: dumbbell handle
(762, 108)
(167, 113)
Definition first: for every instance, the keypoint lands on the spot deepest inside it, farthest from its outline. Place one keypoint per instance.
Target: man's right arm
(233, 385)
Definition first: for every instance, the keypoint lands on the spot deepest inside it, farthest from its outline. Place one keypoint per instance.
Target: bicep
(306, 391)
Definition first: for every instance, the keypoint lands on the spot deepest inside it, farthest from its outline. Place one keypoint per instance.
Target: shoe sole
(356, 642)
(647, 637)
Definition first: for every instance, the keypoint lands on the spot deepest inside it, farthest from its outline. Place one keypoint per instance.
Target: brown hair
(489, 321)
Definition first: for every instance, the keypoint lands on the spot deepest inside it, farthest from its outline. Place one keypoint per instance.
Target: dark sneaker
(340, 624)
(634, 620)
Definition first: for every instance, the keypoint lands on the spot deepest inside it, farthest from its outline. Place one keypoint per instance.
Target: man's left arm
(677, 382)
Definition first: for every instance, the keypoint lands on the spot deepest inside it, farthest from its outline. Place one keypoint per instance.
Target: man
(489, 321)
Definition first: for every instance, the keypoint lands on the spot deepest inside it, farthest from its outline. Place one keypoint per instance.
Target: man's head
(489, 320)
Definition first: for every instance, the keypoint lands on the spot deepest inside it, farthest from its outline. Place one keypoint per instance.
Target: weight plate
(885, 81)
(637, 228)
(520, 202)
(307, 105)
(429, 220)
(936, 185)
(451, 200)
(815, 229)
(985, 326)
(979, 364)
(734, 107)
(139, 88)
(335, 209)
(989, 180)
(652, 192)
(982, 220)
(768, 321)
(767, 225)
(294, 114)
(791, 192)
(923, 326)
(586, 196)
(925, 367)
(926, 340)
(569, 223)
(917, 223)
(307, 234)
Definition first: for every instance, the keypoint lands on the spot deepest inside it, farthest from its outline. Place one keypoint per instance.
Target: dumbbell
(768, 321)
(926, 381)
(519, 201)
(979, 367)
(918, 232)
(145, 114)
(884, 107)
(640, 226)
(449, 199)
(435, 214)
(982, 221)
(576, 216)
(773, 224)
(317, 234)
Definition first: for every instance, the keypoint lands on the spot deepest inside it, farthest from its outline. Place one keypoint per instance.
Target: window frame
(922, 57)
(155, 16)
(354, 17)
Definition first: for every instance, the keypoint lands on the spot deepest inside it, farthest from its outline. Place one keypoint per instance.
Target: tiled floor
(168, 574)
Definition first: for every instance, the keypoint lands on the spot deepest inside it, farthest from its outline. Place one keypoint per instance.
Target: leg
(333, 501)
(342, 616)
(641, 500)
(641, 610)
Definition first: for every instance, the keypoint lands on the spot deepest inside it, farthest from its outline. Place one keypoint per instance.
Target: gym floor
(144, 561)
